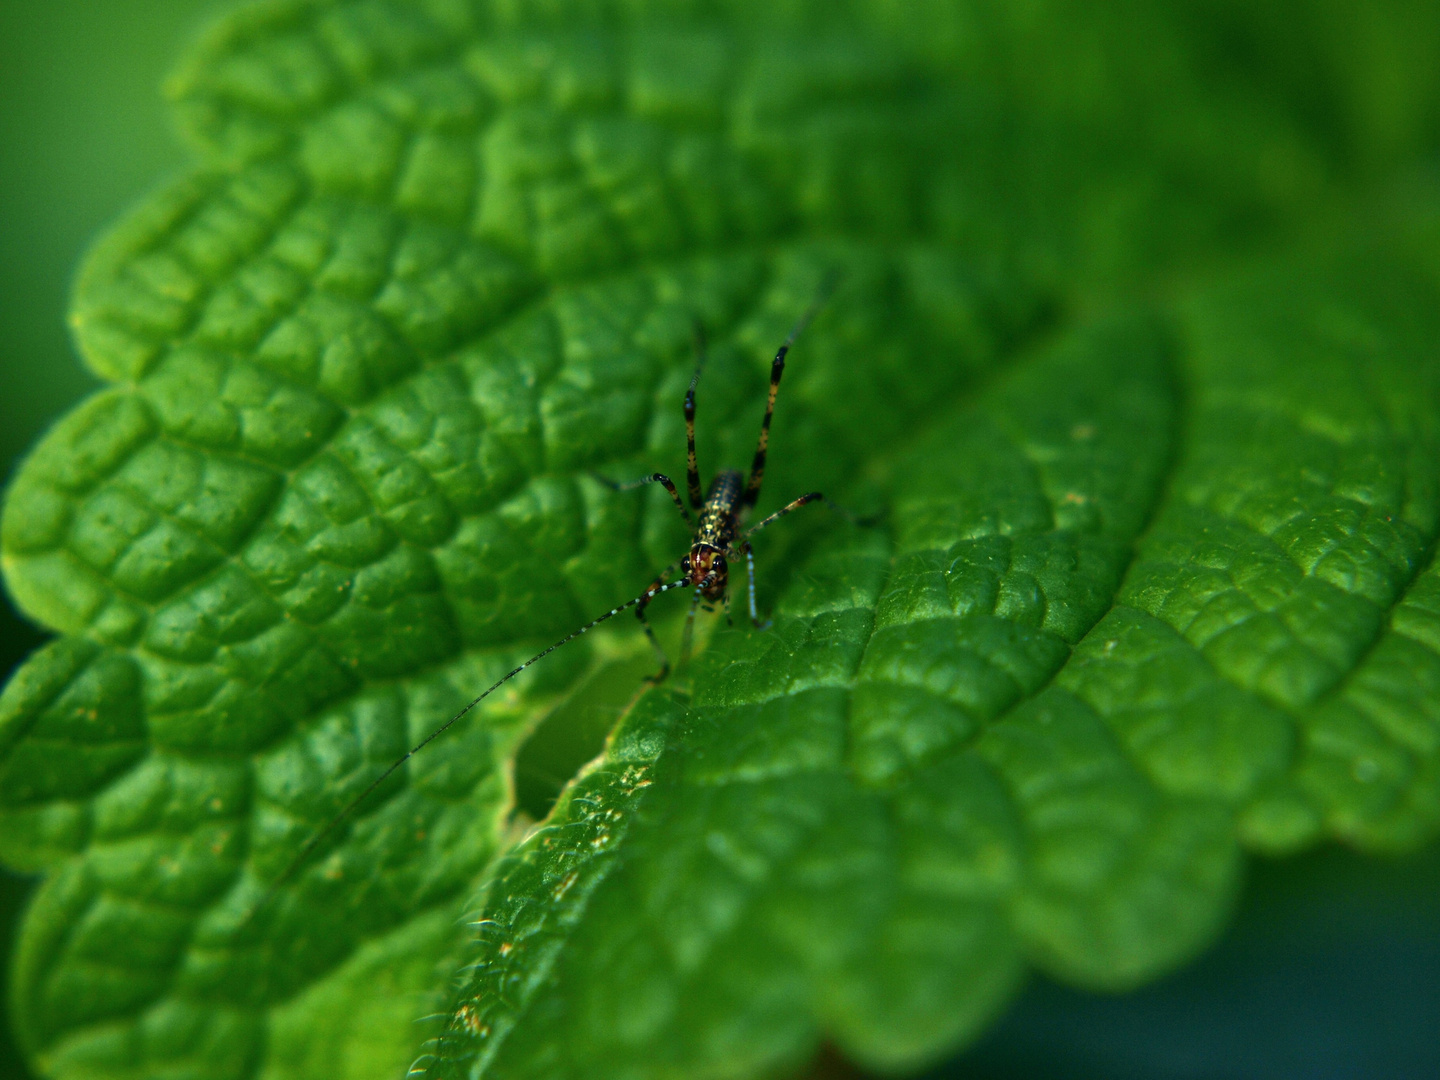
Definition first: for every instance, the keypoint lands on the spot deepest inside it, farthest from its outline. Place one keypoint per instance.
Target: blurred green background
(1332, 968)
(83, 133)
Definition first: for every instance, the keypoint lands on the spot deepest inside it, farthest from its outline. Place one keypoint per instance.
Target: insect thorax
(717, 516)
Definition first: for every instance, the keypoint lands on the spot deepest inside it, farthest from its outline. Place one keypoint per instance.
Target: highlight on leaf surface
(1153, 584)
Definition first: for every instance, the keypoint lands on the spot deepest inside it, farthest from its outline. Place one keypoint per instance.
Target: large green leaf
(1011, 736)
(1148, 587)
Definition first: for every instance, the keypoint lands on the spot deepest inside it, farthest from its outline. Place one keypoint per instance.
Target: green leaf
(977, 748)
(1151, 588)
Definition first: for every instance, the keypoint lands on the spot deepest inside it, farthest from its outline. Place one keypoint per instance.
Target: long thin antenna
(310, 845)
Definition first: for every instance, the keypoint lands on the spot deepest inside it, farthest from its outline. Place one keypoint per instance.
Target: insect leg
(644, 602)
(310, 845)
(750, 575)
(692, 470)
(653, 478)
(687, 639)
(801, 501)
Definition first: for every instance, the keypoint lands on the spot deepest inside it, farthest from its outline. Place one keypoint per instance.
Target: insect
(721, 511)
(717, 540)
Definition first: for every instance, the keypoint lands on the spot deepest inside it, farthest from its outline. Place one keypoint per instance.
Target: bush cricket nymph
(717, 539)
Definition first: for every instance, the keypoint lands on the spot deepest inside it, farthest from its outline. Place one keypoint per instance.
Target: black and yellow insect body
(706, 568)
(716, 542)
(713, 535)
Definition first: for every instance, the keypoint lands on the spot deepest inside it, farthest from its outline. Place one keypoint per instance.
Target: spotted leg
(687, 639)
(749, 553)
(657, 587)
(814, 496)
(653, 478)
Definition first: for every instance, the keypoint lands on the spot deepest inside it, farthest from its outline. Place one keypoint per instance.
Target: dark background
(1332, 966)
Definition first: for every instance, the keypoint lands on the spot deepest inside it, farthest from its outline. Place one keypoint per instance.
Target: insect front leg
(653, 478)
(640, 606)
(803, 500)
(687, 639)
